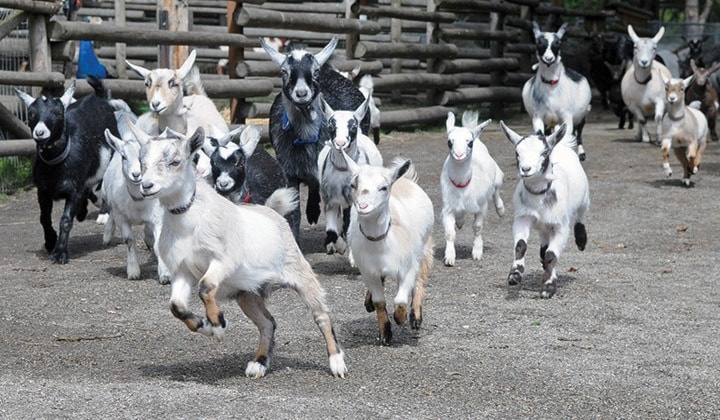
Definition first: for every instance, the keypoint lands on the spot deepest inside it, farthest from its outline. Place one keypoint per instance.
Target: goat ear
(352, 165)
(249, 139)
(276, 56)
(561, 32)
(479, 129)
(401, 170)
(114, 142)
(633, 35)
(67, 97)
(27, 99)
(658, 35)
(323, 56)
(327, 109)
(362, 109)
(450, 122)
(511, 135)
(140, 135)
(184, 70)
(664, 78)
(693, 66)
(536, 30)
(230, 135)
(558, 135)
(196, 141)
(141, 71)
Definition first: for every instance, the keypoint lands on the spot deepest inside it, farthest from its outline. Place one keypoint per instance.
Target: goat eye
(316, 73)
(384, 188)
(175, 162)
(172, 83)
(148, 83)
(449, 144)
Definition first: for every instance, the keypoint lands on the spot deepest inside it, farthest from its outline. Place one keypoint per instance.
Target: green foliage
(594, 5)
(15, 173)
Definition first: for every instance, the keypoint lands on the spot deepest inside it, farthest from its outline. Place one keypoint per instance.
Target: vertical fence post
(120, 47)
(236, 55)
(40, 60)
(432, 96)
(396, 36)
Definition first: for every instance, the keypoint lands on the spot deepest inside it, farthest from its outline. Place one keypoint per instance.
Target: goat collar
(246, 199)
(644, 82)
(57, 159)
(461, 185)
(182, 209)
(289, 128)
(675, 119)
(551, 82)
(375, 238)
(541, 192)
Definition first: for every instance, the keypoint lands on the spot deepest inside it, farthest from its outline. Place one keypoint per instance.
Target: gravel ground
(631, 333)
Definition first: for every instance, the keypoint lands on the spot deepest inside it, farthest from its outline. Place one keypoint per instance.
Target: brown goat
(701, 90)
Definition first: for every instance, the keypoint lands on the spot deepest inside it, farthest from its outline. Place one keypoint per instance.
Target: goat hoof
(548, 291)
(514, 278)
(386, 335)
(255, 370)
(59, 258)
(164, 279)
(415, 321)
(400, 314)
(581, 156)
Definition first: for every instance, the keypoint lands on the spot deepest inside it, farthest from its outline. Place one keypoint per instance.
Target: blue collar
(289, 128)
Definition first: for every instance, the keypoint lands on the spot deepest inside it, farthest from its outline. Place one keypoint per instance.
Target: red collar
(551, 82)
(247, 198)
(463, 185)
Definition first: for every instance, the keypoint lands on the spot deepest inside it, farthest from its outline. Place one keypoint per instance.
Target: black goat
(72, 155)
(695, 53)
(617, 104)
(297, 125)
(245, 173)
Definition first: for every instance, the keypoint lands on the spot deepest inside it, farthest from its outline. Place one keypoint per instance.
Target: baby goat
(702, 90)
(470, 178)
(366, 86)
(343, 128)
(390, 237)
(642, 85)
(72, 155)
(683, 128)
(297, 126)
(552, 196)
(128, 207)
(245, 173)
(240, 252)
(556, 94)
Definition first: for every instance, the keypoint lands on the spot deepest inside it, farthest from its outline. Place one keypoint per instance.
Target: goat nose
(155, 104)
(147, 185)
(526, 169)
(135, 175)
(301, 93)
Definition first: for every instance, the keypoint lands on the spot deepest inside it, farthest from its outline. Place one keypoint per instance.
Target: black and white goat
(297, 125)
(243, 172)
(334, 175)
(556, 95)
(72, 155)
(552, 196)
(228, 251)
(367, 87)
(470, 178)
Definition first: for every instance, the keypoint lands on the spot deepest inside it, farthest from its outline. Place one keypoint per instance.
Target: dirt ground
(632, 332)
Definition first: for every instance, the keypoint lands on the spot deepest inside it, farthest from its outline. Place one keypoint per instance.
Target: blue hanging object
(88, 63)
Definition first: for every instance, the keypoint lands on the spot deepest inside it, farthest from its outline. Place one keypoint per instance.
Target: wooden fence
(428, 56)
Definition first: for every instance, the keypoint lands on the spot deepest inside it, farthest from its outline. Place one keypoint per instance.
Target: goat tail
(283, 200)
(424, 273)
(120, 106)
(98, 86)
(411, 172)
(193, 84)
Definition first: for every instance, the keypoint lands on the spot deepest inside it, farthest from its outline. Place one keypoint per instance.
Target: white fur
(229, 251)
(564, 101)
(554, 213)
(469, 179)
(398, 214)
(121, 190)
(683, 128)
(645, 100)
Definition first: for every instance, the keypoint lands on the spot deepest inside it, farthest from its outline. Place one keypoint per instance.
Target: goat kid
(366, 86)
(346, 139)
(244, 173)
(552, 196)
(121, 188)
(297, 126)
(683, 128)
(642, 86)
(223, 249)
(469, 179)
(72, 156)
(390, 236)
(556, 94)
(702, 90)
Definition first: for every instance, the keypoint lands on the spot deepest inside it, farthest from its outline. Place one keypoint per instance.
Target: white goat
(556, 94)
(240, 252)
(683, 128)
(552, 196)
(128, 207)
(170, 108)
(345, 138)
(470, 178)
(642, 86)
(390, 237)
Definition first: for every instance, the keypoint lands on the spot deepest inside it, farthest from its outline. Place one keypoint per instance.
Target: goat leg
(46, 204)
(215, 325)
(682, 154)
(419, 291)
(312, 208)
(60, 253)
(253, 305)
(665, 145)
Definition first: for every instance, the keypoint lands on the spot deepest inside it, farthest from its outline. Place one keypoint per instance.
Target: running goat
(228, 251)
(297, 126)
(72, 156)
(683, 128)
(556, 95)
(552, 197)
(390, 236)
(470, 178)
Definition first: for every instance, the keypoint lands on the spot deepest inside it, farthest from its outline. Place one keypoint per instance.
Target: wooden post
(431, 96)
(497, 50)
(11, 22)
(352, 38)
(40, 59)
(396, 36)
(173, 15)
(236, 55)
(120, 47)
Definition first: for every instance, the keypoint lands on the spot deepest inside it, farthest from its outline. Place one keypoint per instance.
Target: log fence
(432, 56)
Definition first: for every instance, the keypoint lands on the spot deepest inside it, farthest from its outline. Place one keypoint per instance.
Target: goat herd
(211, 200)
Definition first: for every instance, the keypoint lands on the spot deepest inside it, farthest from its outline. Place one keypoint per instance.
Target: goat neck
(305, 121)
(550, 74)
(460, 171)
(54, 152)
(175, 121)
